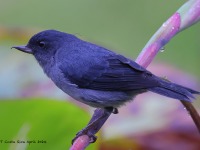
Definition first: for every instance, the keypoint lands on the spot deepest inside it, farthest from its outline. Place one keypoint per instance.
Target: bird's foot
(98, 119)
(85, 131)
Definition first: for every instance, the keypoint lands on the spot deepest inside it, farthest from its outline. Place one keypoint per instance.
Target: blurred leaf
(53, 122)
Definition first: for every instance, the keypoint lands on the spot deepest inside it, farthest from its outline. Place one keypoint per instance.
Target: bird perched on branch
(95, 75)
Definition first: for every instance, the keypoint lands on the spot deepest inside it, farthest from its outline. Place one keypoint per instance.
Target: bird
(95, 75)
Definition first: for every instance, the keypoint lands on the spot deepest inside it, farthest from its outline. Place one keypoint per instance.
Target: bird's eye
(41, 44)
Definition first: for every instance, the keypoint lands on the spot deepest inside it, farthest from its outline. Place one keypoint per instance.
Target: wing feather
(110, 73)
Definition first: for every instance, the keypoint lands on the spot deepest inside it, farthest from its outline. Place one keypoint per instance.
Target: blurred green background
(124, 26)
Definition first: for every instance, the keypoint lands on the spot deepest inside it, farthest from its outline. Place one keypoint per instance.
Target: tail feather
(173, 90)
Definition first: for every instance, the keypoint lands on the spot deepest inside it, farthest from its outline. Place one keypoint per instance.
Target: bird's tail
(173, 90)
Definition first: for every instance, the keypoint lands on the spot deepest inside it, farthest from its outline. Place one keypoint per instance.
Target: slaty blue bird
(95, 75)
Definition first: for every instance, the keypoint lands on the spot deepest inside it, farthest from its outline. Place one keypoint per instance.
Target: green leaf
(45, 124)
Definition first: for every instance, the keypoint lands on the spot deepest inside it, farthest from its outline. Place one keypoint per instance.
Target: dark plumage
(95, 75)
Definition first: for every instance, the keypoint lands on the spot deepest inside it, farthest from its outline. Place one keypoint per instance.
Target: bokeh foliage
(54, 122)
(124, 26)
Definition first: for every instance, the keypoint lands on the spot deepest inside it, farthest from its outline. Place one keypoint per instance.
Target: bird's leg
(98, 119)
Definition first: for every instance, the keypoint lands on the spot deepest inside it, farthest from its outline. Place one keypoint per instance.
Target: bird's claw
(96, 122)
(92, 137)
(115, 111)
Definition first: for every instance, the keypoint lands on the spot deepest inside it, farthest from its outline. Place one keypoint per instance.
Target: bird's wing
(111, 73)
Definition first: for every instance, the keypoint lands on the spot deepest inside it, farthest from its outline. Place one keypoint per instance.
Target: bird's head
(44, 45)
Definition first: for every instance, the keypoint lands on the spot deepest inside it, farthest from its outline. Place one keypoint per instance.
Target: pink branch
(81, 143)
(187, 15)
(159, 39)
